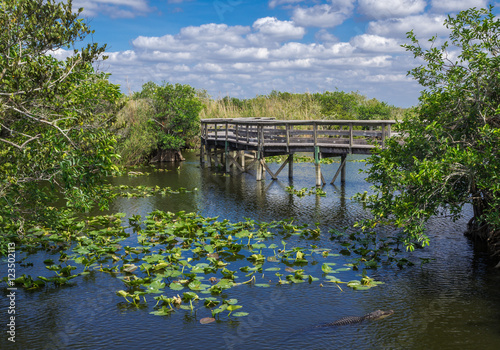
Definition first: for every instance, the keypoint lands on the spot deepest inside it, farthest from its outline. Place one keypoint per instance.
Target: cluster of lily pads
(185, 258)
(297, 158)
(305, 191)
(143, 191)
(185, 261)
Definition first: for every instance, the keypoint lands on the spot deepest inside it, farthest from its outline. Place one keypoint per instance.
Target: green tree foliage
(305, 106)
(175, 113)
(338, 104)
(450, 155)
(374, 110)
(53, 113)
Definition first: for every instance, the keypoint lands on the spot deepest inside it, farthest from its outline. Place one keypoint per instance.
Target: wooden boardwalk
(243, 142)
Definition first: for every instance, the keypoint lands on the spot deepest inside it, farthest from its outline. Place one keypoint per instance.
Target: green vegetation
(53, 115)
(450, 154)
(181, 260)
(166, 117)
(137, 138)
(288, 106)
(158, 118)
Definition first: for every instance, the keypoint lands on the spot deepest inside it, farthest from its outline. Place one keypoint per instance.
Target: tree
(373, 109)
(338, 104)
(53, 113)
(175, 116)
(450, 153)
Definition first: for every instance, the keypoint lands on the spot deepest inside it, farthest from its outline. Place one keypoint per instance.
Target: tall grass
(137, 137)
(291, 107)
(287, 106)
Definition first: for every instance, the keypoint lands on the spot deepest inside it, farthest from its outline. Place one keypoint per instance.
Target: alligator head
(377, 315)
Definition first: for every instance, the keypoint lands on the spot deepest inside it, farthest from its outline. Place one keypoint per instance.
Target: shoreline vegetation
(147, 125)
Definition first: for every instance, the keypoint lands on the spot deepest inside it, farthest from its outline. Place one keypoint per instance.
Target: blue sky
(246, 48)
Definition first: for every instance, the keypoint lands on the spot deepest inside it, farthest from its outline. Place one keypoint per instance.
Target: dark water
(451, 303)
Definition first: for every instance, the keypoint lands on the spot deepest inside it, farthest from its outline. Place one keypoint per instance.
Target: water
(451, 303)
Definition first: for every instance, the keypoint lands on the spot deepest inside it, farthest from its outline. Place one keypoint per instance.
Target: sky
(244, 48)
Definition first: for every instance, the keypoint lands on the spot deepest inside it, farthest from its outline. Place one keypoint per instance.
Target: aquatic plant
(305, 191)
(184, 261)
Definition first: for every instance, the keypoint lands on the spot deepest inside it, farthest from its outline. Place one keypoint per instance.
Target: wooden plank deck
(263, 137)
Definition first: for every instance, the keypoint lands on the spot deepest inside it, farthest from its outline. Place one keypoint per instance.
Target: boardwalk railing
(266, 137)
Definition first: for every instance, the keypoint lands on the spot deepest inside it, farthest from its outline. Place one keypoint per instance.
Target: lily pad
(176, 286)
(273, 269)
(240, 314)
(164, 311)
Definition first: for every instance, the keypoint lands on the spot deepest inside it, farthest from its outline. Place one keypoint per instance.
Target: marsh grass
(287, 106)
(282, 106)
(137, 138)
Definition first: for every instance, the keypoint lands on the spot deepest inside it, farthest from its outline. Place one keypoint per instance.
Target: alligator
(375, 315)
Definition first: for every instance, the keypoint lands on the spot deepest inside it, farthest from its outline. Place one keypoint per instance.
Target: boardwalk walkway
(243, 142)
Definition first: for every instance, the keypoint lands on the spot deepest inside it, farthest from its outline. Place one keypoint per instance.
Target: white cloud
(216, 33)
(229, 53)
(325, 15)
(208, 68)
(324, 36)
(456, 5)
(114, 8)
(379, 9)
(61, 54)
(270, 29)
(272, 53)
(375, 43)
(387, 78)
(423, 26)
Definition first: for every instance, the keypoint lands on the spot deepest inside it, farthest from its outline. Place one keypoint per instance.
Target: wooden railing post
(315, 134)
(287, 128)
(351, 137)
(383, 135)
(260, 140)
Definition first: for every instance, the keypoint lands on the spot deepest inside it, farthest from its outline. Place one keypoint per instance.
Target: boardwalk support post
(317, 155)
(340, 170)
(227, 158)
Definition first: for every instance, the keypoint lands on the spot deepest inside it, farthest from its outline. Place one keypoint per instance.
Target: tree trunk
(478, 229)
(167, 156)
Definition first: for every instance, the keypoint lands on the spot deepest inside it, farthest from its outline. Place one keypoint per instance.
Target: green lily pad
(176, 286)
(164, 311)
(273, 269)
(240, 314)
(360, 287)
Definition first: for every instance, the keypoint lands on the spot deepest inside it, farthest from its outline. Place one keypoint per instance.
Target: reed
(306, 106)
